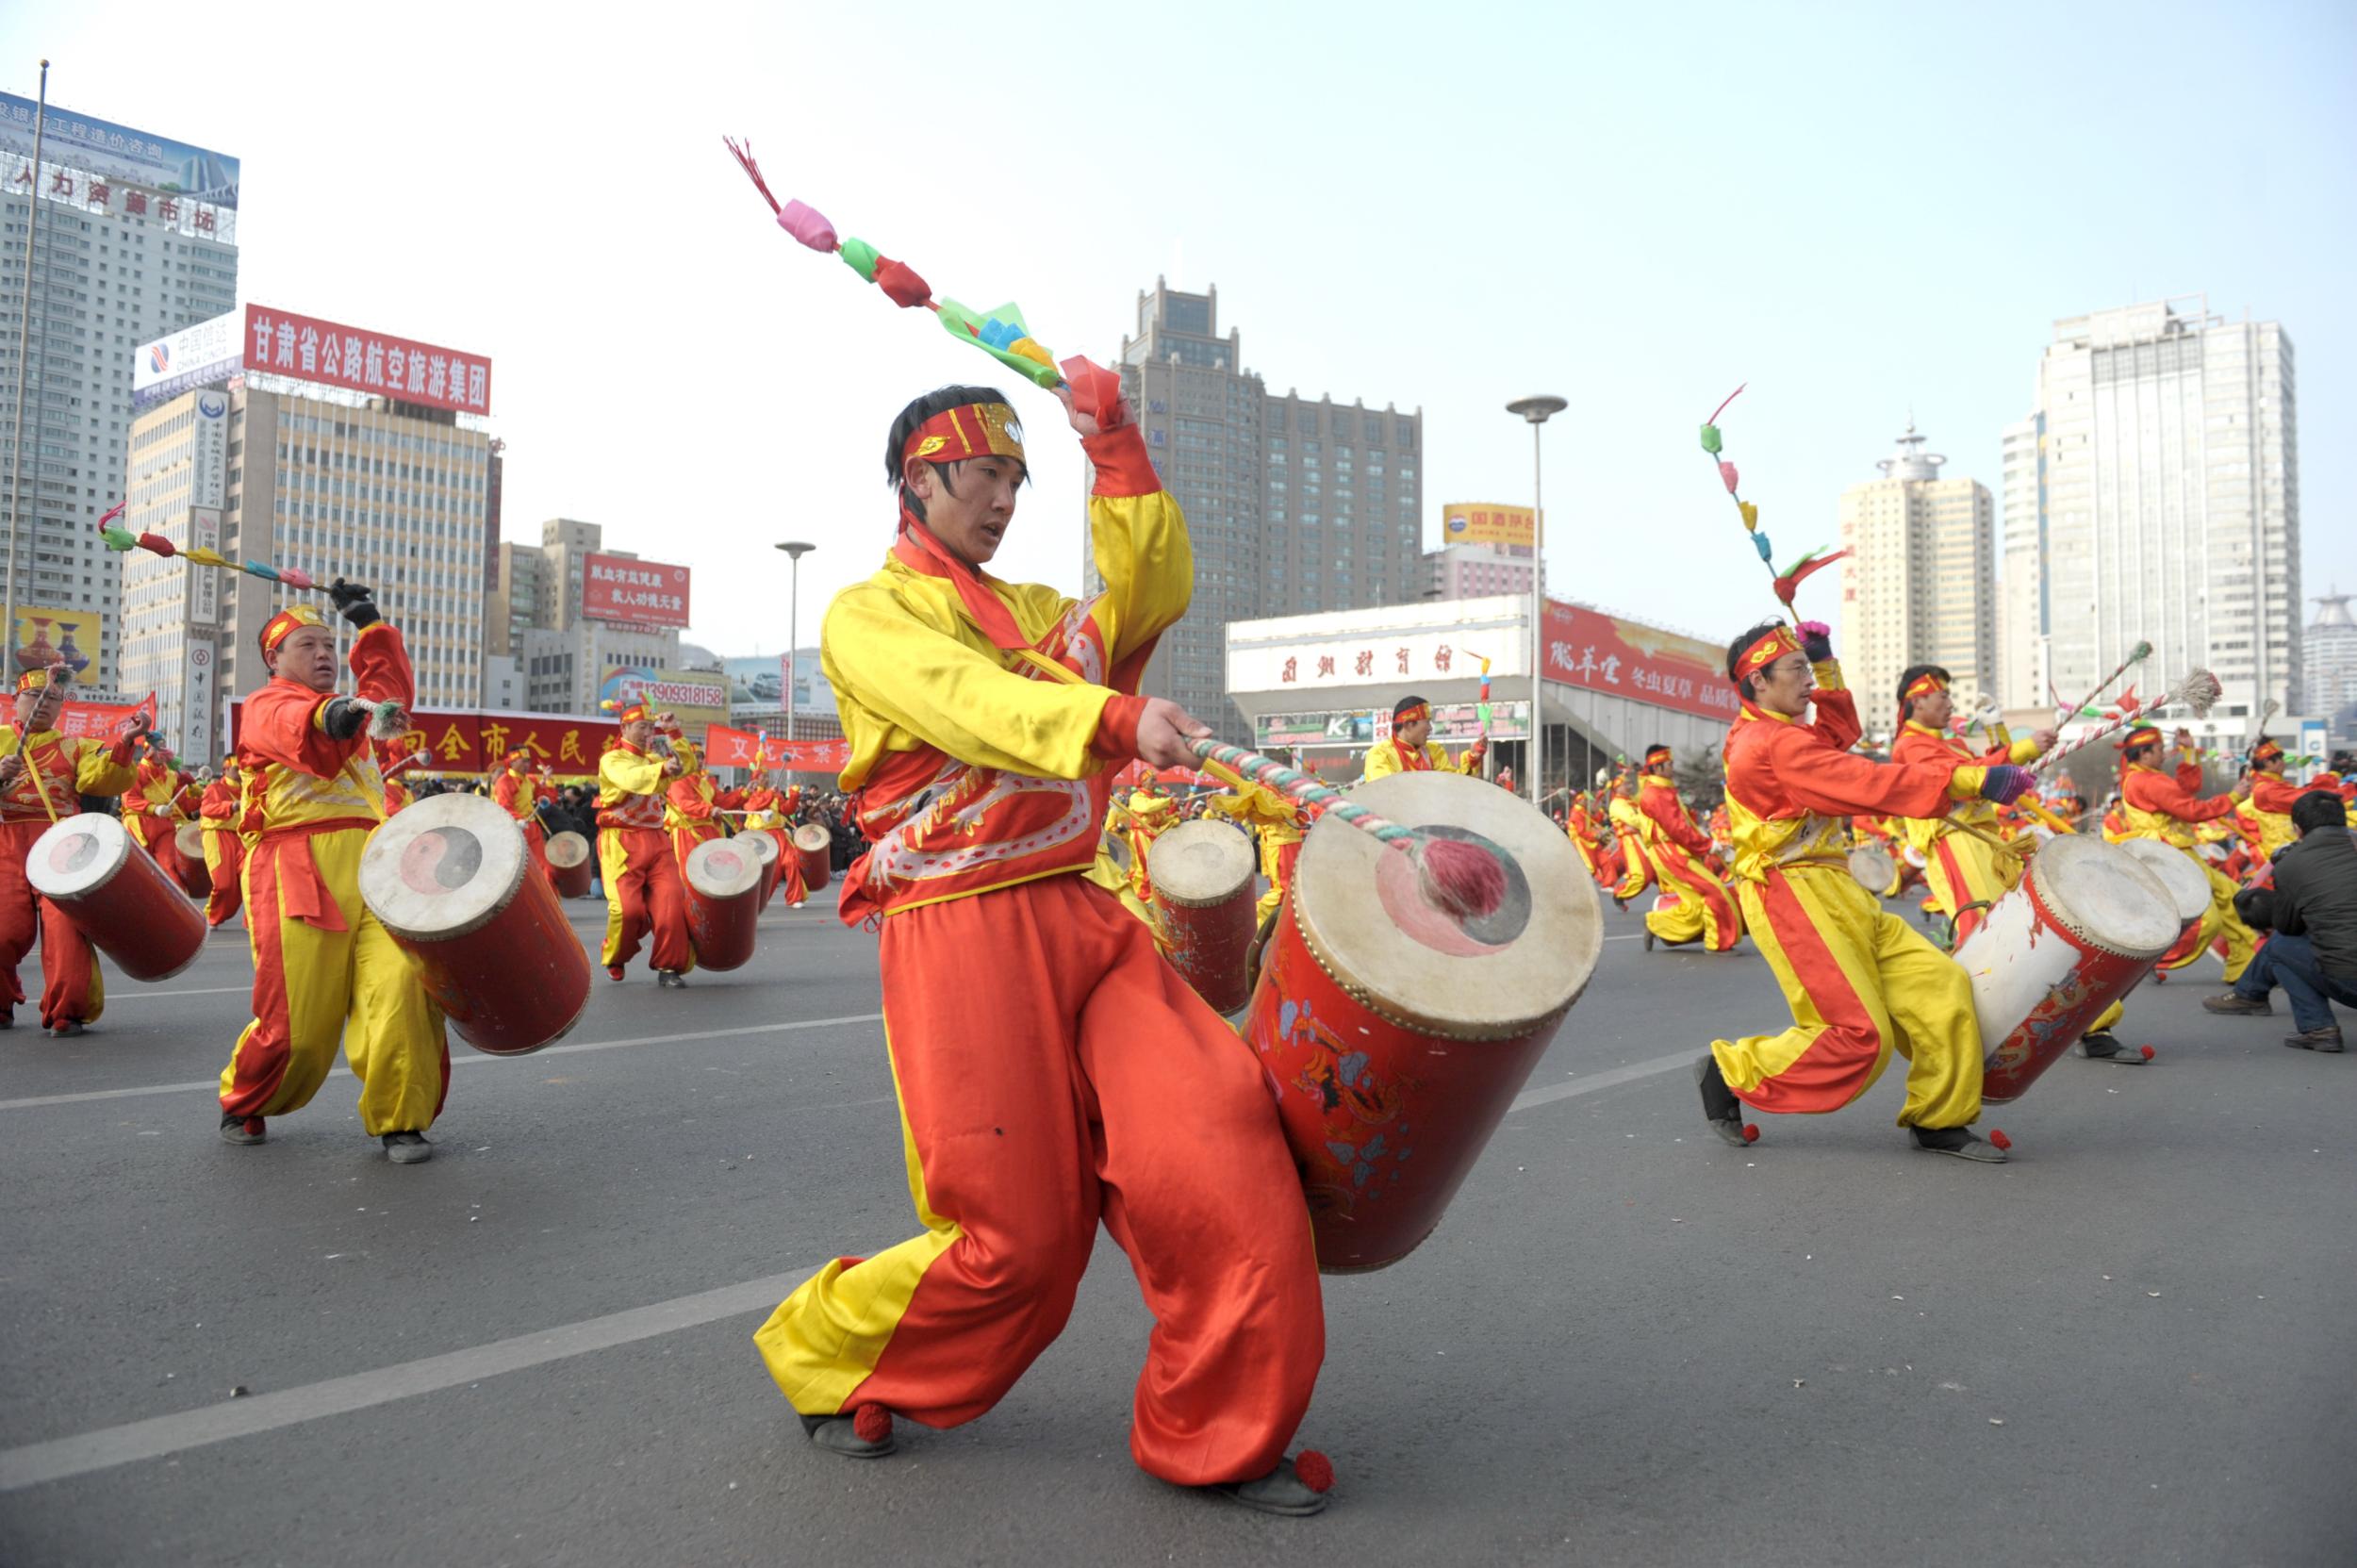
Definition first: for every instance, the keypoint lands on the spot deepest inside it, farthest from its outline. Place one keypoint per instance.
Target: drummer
(1275, 825)
(1628, 831)
(644, 894)
(2272, 797)
(1410, 748)
(691, 811)
(1053, 1070)
(323, 967)
(2169, 807)
(1860, 982)
(1681, 857)
(148, 811)
(217, 813)
(41, 775)
(768, 811)
(516, 792)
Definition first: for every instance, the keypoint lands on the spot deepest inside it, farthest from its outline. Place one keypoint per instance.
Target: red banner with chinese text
(469, 740)
(97, 721)
(619, 590)
(1627, 659)
(310, 349)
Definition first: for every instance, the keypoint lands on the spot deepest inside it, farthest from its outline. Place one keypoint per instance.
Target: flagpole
(23, 333)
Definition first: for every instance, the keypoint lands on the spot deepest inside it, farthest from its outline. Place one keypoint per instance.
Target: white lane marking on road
(456, 1059)
(61, 1459)
(144, 995)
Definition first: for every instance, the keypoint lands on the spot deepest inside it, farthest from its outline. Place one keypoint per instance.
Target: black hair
(2130, 753)
(1737, 648)
(1404, 704)
(2318, 808)
(1911, 674)
(939, 401)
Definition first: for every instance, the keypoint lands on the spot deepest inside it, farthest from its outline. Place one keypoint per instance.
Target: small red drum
(2186, 886)
(1871, 864)
(1202, 874)
(194, 878)
(572, 864)
(763, 845)
(126, 904)
(1915, 858)
(817, 848)
(1394, 1034)
(723, 877)
(2087, 922)
(452, 880)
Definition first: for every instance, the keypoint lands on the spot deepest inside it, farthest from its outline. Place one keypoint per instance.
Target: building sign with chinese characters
(1459, 723)
(204, 586)
(102, 169)
(471, 740)
(1489, 523)
(310, 349)
(696, 699)
(633, 593)
(1601, 652)
(1379, 657)
(193, 356)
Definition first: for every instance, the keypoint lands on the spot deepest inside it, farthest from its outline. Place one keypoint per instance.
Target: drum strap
(26, 752)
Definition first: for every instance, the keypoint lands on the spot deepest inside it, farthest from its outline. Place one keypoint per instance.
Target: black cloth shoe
(672, 979)
(839, 1434)
(1725, 1112)
(2235, 1003)
(1962, 1142)
(2326, 1039)
(1281, 1490)
(2103, 1046)
(1649, 938)
(242, 1130)
(407, 1148)
(66, 1028)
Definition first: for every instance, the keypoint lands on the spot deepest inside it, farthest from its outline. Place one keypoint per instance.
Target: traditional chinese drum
(572, 865)
(126, 904)
(1203, 880)
(2088, 921)
(724, 878)
(2188, 887)
(817, 846)
(1394, 1034)
(1871, 864)
(763, 845)
(452, 881)
(194, 879)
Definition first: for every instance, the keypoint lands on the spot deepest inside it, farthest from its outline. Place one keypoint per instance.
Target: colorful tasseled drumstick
(123, 541)
(1789, 581)
(2136, 656)
(2199, 691)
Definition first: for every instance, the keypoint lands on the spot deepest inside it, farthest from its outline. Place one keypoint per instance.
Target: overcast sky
(1861, 211)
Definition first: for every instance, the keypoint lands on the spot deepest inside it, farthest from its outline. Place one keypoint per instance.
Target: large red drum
(1202, 874)
(817, 851)
(723, 877)
(126, 904)
(572, 864)
(452, 881)
(2086, 923)
(194, 879)
(763, 845)
(2188, 885)
(1394, 1035)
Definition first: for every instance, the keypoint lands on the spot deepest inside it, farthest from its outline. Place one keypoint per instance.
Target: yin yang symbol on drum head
(440, 859)
(1400, 885)
(71, 853)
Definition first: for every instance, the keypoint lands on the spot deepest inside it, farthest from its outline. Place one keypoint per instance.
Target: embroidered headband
(1656, 754)
(1922, 686)
(279, 628)
(1411, 712)
(47, 675)
(2143, 735)
(1772, 646)
(971, 430)
(631, 711)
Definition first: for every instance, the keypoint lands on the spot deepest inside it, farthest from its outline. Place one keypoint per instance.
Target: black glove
(345, 717)
(2006, 783)
(354, 602)
(1815, 641)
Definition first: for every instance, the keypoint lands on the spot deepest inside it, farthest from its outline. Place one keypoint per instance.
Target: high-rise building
(1474, 571)
(2021, 634)
(1293, 505)
(539, 612)
(2327, 687)
(137, 237)
(2165, 480)
(1919, 586)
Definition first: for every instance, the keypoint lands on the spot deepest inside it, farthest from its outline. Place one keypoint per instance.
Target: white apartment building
(1920, 585)
(2329, 679)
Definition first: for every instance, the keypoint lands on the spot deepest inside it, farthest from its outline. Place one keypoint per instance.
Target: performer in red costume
(225, 850)
(768, 811)
(1681, 858)
(644, 894)
(518, 793)
(1054, 1072)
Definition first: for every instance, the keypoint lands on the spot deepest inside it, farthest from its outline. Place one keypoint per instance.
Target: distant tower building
(1919, 586)
(2328, 685)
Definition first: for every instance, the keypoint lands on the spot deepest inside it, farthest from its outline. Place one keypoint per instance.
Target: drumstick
(122, 541)
(1461, 878)
(2136, 656)
(2197, 691)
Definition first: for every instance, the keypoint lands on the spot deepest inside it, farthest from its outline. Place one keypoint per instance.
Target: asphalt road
(1628, 1343)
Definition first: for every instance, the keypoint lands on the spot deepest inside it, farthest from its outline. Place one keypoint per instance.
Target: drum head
(191, 839)
(1360, 907)
(443, 867)
(763, 843)
(568, 848)
(2105, 895)
(1196, 865)
(2186, 884)
(813, 837)
(723, 869)
(1871, 864)
(76, 854)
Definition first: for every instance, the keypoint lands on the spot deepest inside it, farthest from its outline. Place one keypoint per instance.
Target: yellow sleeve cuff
(1964, 783)
(2022, 752)
(1829, 675)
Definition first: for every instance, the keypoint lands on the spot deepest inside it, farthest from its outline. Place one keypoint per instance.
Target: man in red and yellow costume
(42, 774)
(1581, 828)
(323, 967)
(2269, 809)
(2170, 808)
(150, 812)
(517, 792)
(1139, 819)
(1680, 855)
(1410, 748)
(644, 894)
(1276, 827)
(1053, 1070)
(1628, 832)
(691, 808)
(768, 811)
(224, 848)
(1861, 982)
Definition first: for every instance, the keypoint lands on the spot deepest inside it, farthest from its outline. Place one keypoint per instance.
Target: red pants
(224, 862)
(643, 894)
(71, 986)
(156, 836)
(536, 841)
(790, 879)
(1053, 1071)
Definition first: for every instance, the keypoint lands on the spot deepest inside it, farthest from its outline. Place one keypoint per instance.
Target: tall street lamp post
(795, 550)
(1538, 410)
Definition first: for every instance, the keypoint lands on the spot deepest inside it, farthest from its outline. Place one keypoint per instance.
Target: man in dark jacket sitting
(2312, 953)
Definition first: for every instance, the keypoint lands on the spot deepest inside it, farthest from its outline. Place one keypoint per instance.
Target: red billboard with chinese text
(633, 593)
(1627, 659)
(469, 740)
(310, 349)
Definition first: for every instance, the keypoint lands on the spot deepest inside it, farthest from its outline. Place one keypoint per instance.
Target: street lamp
(1538, 410)
(795, 550)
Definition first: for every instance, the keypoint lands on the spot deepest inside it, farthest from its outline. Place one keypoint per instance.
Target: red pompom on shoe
(1997, 1136)
(871, 1423)
(2147, 1051)
(1751, 1132)
(1314, 1470)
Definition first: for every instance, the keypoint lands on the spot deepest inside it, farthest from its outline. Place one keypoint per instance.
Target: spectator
(2312, 953)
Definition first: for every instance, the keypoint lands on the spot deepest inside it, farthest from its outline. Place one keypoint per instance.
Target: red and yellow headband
(2266, 751)
(1656, 754)
(1415, 713)
(1772, 646)
(633, 712)
(279, 628)
(41, 679)
(970, 430)
(2143, 735)
(1922, 686)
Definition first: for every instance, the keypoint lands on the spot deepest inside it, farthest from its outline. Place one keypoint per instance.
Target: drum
(763, 845)
(1914, 856)
(1203, 880)
(194, 879)
(1394, 1035)
(1871, 864)
(2188, 887)
(126, 904)
(724, 879)
(2216, 852)
(452, 880)
(817, 849)
(572, 864)
(2088, 921)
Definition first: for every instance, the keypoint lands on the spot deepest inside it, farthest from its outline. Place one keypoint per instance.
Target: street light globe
(796, 548)
(1537, 409)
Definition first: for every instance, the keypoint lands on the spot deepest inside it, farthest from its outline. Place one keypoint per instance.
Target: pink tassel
(295, 577)
(744, 155)
(1726, 471)
(809, 225)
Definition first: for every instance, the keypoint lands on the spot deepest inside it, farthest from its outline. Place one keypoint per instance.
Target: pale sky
(1859, 211)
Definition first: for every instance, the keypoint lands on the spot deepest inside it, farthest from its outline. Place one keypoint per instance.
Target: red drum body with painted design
(817, 846)
(572, 864)
(452, 880)
(2086, 923)
(126, 904)
(724, 878)
(1202, 876)
(1394, 1035)
(763, 845)
(194, 879)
